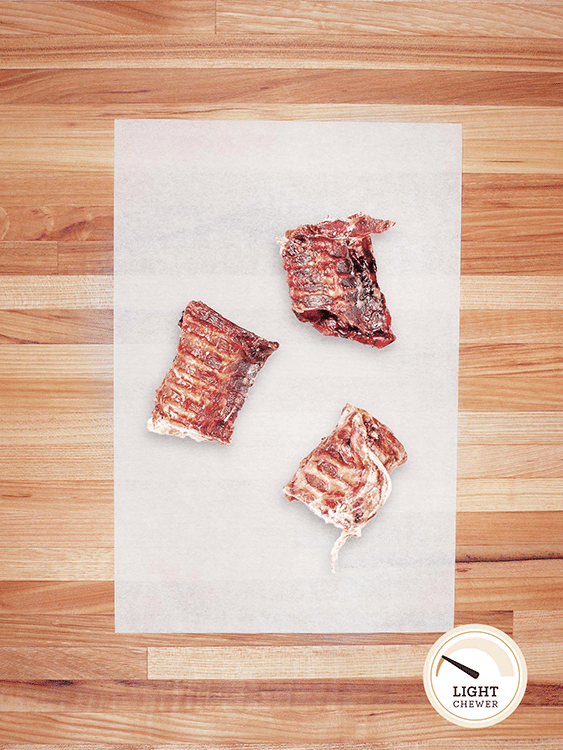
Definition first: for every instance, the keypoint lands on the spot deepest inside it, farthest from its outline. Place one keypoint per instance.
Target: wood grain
(406, 17)
(210, 86)
(68, 68)
(144, 17)
(348, 50)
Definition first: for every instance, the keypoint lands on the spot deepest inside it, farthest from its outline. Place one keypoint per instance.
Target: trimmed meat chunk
(346, 479)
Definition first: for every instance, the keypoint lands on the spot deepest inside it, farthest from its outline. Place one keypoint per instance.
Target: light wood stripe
(62, 292)
(56, 360)
(492, 495)
(57, 461)
(402, 17)
(87, 525)
(509, 292)
(54, 564)
(488, 428)
(285, 662)
(55, 429)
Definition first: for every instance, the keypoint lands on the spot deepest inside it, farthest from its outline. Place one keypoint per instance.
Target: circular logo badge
(475, 676)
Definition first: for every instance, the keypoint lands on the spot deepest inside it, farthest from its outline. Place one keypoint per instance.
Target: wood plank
(212, 86)
(49, 222)
(145, 17)
(486, 495)
(335, 51)
(56, 597)
(346, 726)
(56, 327)
(44, 494)
(511, 225)
(85, 258)
(546, 568)
(285, 662)
(510, 461)
(26, 258)
(61, 394)
(478, 360)
(56, 292)
(453, 744)
(511, 592)
(510, 393)
(507, 552)
(512, 326)
(409, 17)
(543, 660)
(40, 184)
(544, 626)
(84, 525)
(55, 462)
(22, 663)
(185, 695)
(508, 292)
(56, 360)
(488, 428)
(55, 564)
(510, 527)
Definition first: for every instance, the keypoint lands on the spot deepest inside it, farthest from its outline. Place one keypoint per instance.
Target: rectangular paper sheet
(205, 540)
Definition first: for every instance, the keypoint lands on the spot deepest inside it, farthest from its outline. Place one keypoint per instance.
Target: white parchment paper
(205, 540)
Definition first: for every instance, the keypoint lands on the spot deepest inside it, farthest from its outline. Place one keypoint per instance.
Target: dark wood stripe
(210, 86)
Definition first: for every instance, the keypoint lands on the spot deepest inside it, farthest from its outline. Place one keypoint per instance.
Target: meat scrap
(331, 273)
(346, 479)
(215, 366)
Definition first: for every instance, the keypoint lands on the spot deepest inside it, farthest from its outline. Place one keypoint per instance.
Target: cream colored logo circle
(475, 676)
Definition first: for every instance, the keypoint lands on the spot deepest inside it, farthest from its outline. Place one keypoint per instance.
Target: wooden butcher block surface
(67, 70)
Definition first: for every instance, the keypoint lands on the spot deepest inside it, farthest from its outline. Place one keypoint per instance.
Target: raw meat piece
(332, 280)
(216, 363)
(345, 479)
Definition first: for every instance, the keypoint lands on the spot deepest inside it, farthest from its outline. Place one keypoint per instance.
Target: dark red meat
(331, 273)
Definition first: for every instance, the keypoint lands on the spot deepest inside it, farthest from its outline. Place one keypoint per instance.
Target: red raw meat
(215, 366)
(331, 273)
(345, 479)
